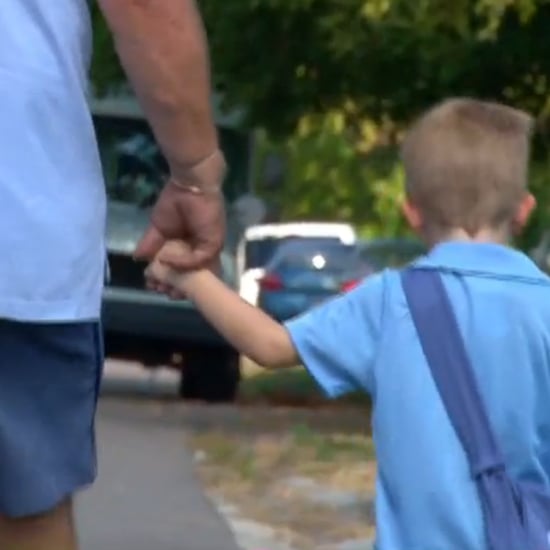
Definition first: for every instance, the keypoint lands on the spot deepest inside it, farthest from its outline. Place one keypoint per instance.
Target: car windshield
(134, 167)
(259, 252)
(333, 257)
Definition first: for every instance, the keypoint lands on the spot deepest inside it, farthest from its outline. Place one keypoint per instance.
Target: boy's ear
(525, 208)
(412, 215)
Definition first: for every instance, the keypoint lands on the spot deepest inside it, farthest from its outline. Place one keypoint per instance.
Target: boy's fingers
(176, 295)
(149, 272)
(153, 284)
(156, 277)
(153, 274)
(162, 288)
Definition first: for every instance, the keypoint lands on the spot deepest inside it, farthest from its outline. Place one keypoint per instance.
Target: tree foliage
(106, 69)
(334, 82)
(390, 58)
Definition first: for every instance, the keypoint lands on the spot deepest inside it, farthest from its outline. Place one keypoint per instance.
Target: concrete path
(147, 496)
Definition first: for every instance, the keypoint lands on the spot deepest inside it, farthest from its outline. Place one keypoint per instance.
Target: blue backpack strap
(451, 369)
(517, 517)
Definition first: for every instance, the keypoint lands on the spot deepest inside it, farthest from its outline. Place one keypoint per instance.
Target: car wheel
(211, 375)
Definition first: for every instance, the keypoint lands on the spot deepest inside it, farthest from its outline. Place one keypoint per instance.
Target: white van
(260, 242)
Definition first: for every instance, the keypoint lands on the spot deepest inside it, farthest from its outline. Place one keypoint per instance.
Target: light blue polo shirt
(52, 196)
(426, 499)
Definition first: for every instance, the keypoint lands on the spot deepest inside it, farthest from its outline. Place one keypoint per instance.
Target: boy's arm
(247, 328)
(339, 342)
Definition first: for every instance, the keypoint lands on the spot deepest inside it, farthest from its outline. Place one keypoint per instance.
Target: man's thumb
(150, 244)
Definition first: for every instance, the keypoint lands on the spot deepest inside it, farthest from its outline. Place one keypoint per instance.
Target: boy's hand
(255, 333)
(163, 278)
(159, 276)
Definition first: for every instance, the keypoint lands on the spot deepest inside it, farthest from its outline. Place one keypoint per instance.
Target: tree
(106, 69)
(390, 58)
(343, 77)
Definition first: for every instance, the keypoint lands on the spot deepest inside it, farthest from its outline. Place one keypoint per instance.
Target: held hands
(162, 277)
(199, 220)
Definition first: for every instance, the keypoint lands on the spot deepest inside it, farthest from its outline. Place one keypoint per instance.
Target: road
(147, 496)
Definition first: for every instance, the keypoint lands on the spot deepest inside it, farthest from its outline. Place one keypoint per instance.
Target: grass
(252, 469)
(290, 387)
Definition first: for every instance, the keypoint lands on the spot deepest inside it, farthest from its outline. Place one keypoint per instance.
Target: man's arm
(162, 47)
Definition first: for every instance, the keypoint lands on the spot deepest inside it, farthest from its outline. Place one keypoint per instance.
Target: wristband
(197, 179)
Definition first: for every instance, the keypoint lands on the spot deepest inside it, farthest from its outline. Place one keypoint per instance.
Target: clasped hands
(187, 228)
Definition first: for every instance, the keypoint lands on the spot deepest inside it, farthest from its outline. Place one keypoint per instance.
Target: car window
(259, 252)
(326, 257)
(135, 169)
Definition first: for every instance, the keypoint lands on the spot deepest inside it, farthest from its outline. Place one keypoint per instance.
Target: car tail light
(349, 285)
(271, 281)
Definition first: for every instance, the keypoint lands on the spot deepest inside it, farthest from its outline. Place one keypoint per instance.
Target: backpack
(516, 514)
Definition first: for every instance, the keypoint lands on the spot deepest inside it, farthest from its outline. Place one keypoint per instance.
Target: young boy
(466, 171)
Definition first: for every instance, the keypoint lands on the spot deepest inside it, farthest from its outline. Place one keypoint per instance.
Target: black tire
(211, 375)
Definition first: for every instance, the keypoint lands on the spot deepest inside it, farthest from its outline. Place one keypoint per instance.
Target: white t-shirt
(52, 195)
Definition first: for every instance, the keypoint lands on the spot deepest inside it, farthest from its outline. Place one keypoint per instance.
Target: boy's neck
(487, 235)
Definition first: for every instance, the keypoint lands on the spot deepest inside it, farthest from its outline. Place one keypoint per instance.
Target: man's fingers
(150, 244)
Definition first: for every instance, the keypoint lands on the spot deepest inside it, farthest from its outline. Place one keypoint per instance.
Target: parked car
(143, 325)
(302, 274)
(149, 327)
(260, 242)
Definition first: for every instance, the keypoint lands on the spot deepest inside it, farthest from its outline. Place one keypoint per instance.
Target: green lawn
(291, 387)
(253, 469)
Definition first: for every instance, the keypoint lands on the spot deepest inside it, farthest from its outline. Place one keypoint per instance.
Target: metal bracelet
(197, 189)
(210, 168)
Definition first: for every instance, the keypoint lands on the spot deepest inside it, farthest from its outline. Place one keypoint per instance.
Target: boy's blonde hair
(466, 164)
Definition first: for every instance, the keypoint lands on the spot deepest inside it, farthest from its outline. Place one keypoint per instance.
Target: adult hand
(189, 209)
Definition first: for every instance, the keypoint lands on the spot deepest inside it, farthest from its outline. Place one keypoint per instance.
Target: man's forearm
(163, 49)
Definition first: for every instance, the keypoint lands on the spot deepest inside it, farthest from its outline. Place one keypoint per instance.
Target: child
(466, 171)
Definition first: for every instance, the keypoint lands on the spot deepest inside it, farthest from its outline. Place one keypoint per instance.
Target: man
(52, 224)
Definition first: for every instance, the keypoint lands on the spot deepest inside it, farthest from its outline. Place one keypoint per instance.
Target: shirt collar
(483, 258)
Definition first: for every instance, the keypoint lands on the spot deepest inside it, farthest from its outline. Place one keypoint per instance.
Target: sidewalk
(147, 496)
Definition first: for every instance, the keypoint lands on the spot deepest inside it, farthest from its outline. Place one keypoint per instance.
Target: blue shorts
(49, 384)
